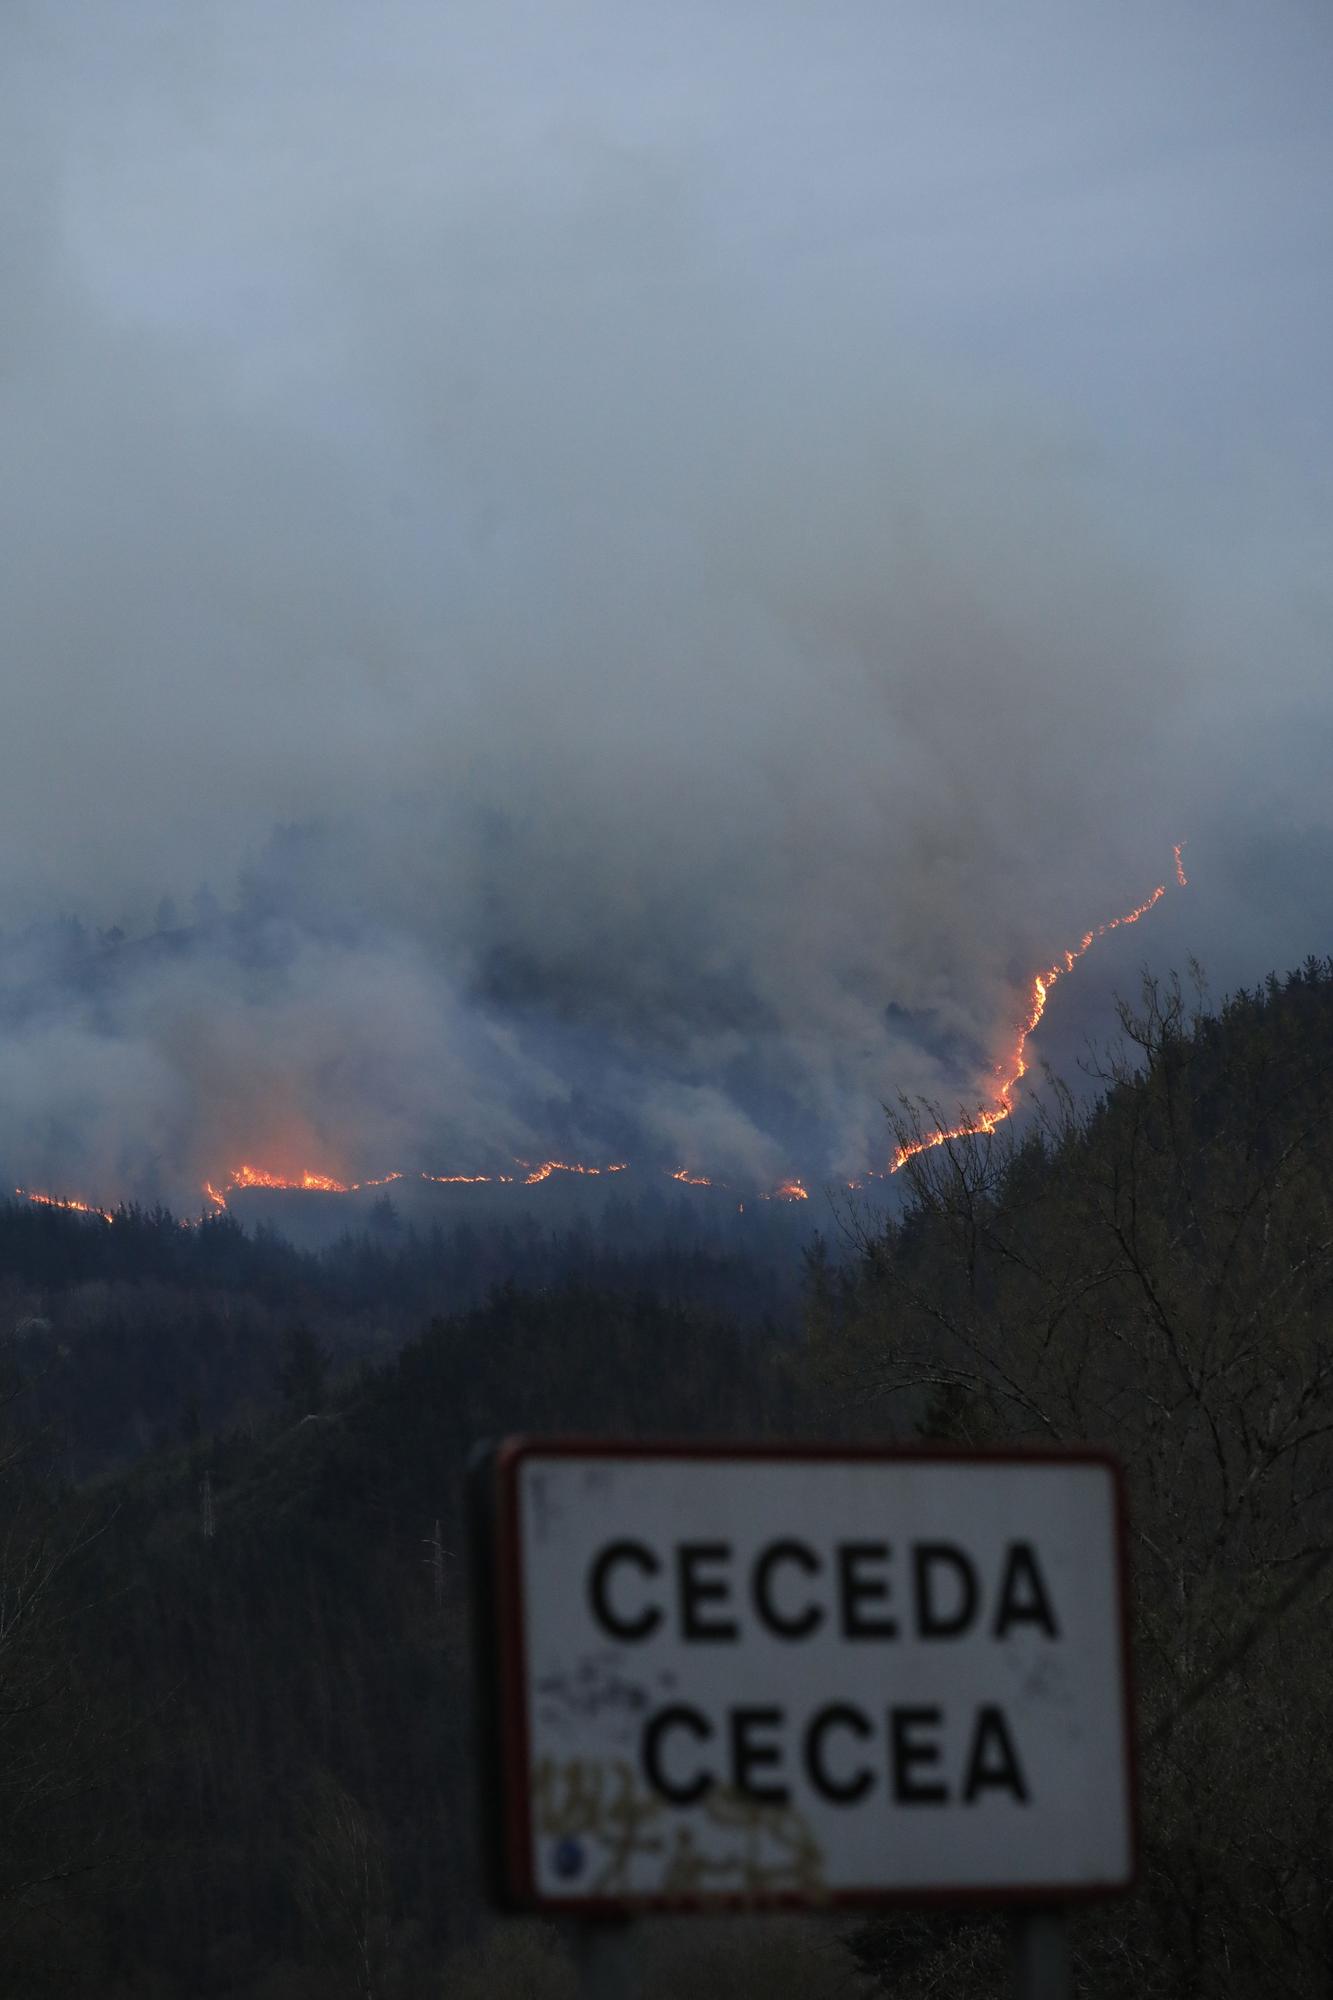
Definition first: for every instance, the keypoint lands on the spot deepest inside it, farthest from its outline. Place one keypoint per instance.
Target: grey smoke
(717, 549)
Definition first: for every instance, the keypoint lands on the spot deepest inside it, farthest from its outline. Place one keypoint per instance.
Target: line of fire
(1009, 1071)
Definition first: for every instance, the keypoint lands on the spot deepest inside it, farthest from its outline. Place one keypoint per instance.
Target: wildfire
(462, 1180)
(259, 1177)
(784, 1191)
(63, 1201)
(248, 1176)
(1010, 1073)
(256, 1177)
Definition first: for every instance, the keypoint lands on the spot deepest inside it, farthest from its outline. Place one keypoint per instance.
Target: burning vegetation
(1011, 1070)
(529, 1176)
(63, 1201)
(1008, 1073)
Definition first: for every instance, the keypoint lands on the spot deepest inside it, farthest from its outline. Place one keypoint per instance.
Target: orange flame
(256, 1177)
(1010, 1073)
(532, 1176)
(259, 1177)
(247, 1176)
(62, 1201)
(789, 1190)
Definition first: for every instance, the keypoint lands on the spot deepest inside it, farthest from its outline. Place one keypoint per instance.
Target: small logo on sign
(568, 1858)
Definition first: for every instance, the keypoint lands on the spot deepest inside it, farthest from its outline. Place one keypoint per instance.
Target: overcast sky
(747, 521)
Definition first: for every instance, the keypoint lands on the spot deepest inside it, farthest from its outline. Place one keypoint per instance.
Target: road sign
(807, 1676)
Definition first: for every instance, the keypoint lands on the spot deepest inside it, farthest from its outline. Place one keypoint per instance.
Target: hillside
(256, 1719)
(1156, 1274)
(277, 1625)
(133, 1333)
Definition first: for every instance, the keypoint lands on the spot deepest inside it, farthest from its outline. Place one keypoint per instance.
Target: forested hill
(239, 1760)
(1156, 1274)
(134, 1332)
(267, 1746)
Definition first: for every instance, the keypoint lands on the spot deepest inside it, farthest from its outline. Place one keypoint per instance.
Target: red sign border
(519, 1887)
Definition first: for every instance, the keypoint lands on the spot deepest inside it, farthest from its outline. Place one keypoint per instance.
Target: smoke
(623, 686)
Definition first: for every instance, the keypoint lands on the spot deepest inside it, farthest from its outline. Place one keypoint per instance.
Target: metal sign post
(606, 1958)
(1042, 1967)
(607, 1961)
(747, 1678)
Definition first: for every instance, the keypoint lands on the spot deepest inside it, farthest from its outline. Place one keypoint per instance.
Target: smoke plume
(533, 651)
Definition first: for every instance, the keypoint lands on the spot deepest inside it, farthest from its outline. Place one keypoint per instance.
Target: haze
(661, 560)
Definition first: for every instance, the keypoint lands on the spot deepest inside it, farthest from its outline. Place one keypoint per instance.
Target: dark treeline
(49, 1245)
(136, 1333)
(236, 1759)
(1156, 1274)
(282, 1687)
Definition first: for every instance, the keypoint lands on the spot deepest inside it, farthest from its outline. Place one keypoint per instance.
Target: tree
(56, 1748)
(302, 1369)
(385, 1221)
(343, 1889)
(1156, 1273)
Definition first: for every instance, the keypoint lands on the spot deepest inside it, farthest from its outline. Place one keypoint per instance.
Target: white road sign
(809, 1677)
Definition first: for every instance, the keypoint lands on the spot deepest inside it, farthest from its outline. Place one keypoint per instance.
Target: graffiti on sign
(597, 1820)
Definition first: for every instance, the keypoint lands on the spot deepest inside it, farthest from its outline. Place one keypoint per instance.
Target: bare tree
(1155, 1272)
(56, 1743)
(343, 1889)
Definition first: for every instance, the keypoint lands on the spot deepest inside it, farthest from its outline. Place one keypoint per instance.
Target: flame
(248, 1176)
(1010, 1072)
(790, 1190)
(549, 1167)
(63, 1201)
(257, 1177)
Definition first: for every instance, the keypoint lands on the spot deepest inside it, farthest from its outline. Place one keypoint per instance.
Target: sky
(671, 557)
